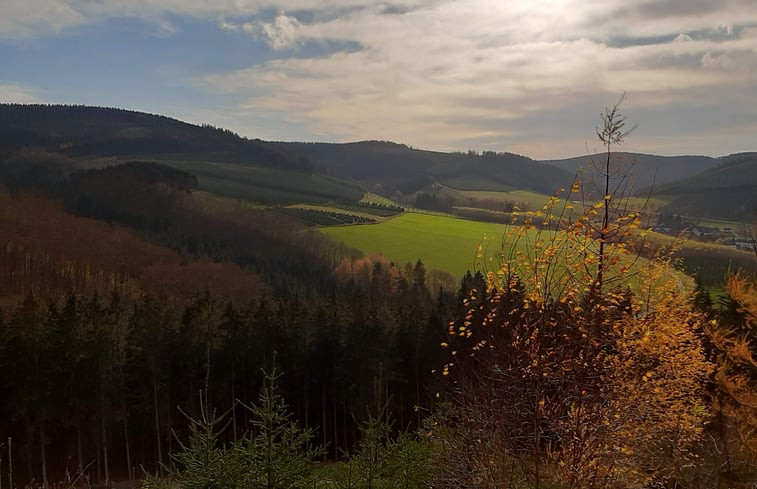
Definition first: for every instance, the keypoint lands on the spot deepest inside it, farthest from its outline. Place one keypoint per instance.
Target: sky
(523, 76)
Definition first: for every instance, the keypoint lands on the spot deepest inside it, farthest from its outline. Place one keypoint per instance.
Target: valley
(146, 260)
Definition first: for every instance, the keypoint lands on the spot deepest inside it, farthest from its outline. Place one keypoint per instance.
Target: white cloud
(22, 19)
(451, 74)
(455, 74)
(283, 32)
(228, 26)
(717, 61)
(33, 18)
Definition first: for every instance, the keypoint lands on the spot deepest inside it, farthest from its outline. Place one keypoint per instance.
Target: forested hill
(399, 167)
(727, 191)
(644, 170)
(80, 131)
(39, 142)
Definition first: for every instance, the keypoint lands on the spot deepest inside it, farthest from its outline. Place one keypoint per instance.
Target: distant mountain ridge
(644, 170)
(397, 166)
(57, 138)
(78, 131)
(35, 138)
(726, 191)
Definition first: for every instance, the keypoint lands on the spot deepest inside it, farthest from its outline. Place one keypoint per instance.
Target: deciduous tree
(569, 374)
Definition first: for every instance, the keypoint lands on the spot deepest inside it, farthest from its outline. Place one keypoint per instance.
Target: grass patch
(739, 228)
(648, 203)
(443, 243)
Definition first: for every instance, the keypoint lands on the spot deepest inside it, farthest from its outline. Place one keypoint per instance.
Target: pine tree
(201, 463)
(278, 455)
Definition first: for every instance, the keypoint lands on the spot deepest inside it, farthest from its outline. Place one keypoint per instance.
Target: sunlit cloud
(282, 32)
(429, 78)
(21, 19)
(452, 74)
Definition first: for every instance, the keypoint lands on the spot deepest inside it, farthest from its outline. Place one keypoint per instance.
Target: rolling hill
(727, 191)
(45, 144)
(398, 167)
(41, 139)
(644, 170)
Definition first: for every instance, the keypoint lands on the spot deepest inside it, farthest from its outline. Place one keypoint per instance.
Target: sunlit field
(443, 243)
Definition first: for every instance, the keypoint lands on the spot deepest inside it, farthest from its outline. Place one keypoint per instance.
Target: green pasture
(443, 243)
(535, 200)
(648, 203)
(741, 229)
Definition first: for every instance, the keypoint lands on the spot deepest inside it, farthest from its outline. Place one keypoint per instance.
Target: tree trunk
(158, 448)
(79, 457)
(126, 446)
(106, 468)
(29, 453)
(10, 463)
(233, 403)
(336, 432)
(43, 455)
(323, 417)
(169, 428)
(99, 456)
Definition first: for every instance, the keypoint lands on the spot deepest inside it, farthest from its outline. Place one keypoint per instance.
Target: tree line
(92, 382)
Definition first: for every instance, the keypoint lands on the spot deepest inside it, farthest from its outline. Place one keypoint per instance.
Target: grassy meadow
(450, 244)
(441, 242)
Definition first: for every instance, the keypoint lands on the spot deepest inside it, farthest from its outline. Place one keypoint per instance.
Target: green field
(443, 243)
(741, 229)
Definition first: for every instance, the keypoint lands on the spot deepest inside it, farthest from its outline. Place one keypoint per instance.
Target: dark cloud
(677, 8)
(627, 41)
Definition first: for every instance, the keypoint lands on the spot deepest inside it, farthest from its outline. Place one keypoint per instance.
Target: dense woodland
(151, 328)
(110, 326)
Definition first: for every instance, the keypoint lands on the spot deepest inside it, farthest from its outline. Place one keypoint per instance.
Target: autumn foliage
(733, 339)
(578, 363)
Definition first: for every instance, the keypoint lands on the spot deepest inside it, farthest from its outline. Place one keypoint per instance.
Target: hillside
(398, 167)
(727, 191)
(40, 139)
(644, 170)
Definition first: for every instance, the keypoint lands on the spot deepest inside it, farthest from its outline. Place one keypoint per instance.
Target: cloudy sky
(524, 76)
